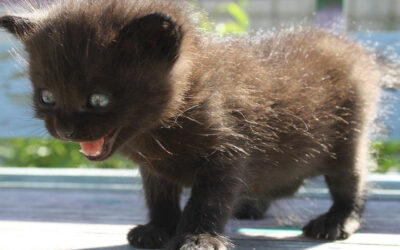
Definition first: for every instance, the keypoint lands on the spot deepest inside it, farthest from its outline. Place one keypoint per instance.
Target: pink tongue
(92, 148)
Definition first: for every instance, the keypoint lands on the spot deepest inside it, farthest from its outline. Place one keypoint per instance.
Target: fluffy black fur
(242, 121)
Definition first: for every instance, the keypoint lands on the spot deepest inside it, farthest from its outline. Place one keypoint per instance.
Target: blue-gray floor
(94, 210)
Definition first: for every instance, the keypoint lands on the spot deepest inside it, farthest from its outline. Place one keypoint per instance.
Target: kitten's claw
(198, 242)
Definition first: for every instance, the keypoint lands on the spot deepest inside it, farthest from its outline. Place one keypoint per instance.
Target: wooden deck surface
(57, 209)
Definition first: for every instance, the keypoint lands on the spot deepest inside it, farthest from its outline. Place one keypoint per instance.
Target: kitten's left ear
(155, 35)
(18, 26)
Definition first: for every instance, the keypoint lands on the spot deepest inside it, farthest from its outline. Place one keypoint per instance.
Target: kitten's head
(101, 70)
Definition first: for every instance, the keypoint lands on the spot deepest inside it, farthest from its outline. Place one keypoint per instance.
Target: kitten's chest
(174, 153)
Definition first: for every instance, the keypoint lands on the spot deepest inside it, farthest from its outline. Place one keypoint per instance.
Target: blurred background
(376, 24)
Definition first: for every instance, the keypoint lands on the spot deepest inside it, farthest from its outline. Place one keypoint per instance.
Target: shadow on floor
(289, 243)
(119, 247)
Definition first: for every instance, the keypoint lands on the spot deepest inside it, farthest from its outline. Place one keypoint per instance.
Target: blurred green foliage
(50, 153)
(321, 4)
(34, 152)
(387, 155)
(240, 23)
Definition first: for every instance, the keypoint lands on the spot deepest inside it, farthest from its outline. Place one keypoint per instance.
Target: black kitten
(242, 121)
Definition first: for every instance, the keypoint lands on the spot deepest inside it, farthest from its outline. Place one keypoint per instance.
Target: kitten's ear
(156, 35)
(19, 26)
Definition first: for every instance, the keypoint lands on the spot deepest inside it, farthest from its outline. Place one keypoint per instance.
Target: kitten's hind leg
(250, 209)
(345, 178)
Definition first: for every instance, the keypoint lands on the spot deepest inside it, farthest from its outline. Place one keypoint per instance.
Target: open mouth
(100, 149)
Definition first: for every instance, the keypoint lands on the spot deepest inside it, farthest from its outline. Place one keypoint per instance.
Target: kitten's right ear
(19, 26)
(157, 36)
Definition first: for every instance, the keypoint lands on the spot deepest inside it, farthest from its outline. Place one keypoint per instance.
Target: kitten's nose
(63, 126)
(66, 133)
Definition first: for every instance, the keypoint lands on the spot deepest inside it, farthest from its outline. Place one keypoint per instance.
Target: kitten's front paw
(198, 242)
(331, 227)
(148, 236)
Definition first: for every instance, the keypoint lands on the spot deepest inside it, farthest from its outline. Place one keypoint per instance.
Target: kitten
(242, 121)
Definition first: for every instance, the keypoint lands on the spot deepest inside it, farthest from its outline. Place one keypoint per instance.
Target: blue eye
(99, 100)
(47, 97)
